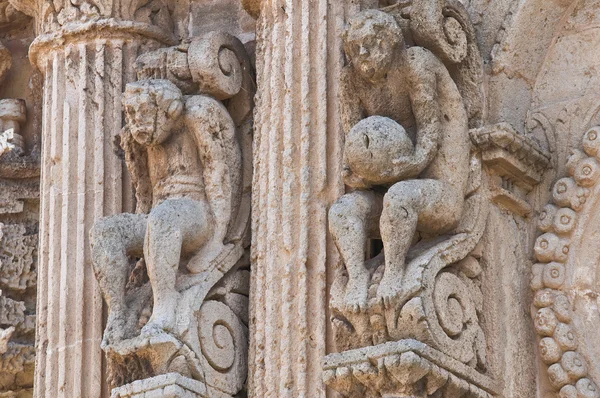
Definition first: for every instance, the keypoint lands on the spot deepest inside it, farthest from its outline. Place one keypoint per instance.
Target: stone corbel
(515, 163)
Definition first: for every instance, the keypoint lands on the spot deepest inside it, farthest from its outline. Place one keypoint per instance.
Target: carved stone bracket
(406, 367)
(516, 163)
(565, 284)
(167, 385)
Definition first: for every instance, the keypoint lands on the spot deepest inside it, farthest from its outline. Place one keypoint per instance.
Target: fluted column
(86, 54)
(297, 175)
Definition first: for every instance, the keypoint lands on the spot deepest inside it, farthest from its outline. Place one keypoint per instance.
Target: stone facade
(299, 198)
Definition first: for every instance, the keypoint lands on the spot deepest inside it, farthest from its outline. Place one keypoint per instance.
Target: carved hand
(353, 180)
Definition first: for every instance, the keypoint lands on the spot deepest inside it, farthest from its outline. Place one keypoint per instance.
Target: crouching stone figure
(175, 270)
(180, 222)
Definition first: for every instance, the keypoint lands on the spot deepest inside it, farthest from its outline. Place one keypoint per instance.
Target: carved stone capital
(515, 164)
(64, 21)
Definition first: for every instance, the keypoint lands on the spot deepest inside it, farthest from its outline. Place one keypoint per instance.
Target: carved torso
(175, 168)
(392, 98)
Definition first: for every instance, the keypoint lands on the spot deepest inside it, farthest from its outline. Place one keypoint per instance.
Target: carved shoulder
(420, 63)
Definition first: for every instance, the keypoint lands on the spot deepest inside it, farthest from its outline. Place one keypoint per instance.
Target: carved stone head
(153, 109)
(371, 41)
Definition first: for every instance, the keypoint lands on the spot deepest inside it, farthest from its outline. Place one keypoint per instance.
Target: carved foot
(162, 320)
(390, 289)
(357, 291)
(115, 330)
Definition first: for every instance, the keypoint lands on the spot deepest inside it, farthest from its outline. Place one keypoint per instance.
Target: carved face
(372, 40)
(152, 110)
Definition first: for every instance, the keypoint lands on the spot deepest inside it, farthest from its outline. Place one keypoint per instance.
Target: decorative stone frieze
(183, 308)
(19, 195)
(562, 280)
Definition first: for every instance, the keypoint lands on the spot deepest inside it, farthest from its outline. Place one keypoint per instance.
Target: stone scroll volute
(406, 320)
(175, 274)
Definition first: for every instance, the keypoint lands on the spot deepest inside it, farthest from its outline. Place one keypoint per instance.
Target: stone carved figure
(410, 94)
(397, 89)
(189, 160)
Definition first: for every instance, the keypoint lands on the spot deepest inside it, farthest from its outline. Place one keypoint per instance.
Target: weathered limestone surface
(424, 198)
(190, 162)
(297, 175)
(85, 52)
(19, 194)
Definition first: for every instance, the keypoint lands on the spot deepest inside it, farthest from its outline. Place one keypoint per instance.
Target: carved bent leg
(175, 227)
(429, 206)
(353, 219)
(113, 240)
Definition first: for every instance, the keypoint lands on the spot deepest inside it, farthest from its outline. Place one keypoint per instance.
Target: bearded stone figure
(186, 155)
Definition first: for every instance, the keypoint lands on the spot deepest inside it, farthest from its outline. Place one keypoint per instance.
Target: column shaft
(298, 144)
(82, 179)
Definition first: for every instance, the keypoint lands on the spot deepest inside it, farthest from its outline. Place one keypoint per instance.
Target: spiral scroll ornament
(219, 69)
(224, 343)
(559, 346)
(451, 306)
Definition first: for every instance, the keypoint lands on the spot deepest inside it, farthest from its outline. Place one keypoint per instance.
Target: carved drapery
(86, 51)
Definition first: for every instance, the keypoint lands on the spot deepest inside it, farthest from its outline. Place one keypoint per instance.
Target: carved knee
(161, 224)
(104, 239)
(396, 206)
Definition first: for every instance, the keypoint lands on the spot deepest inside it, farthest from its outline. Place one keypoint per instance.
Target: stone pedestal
(86, 54)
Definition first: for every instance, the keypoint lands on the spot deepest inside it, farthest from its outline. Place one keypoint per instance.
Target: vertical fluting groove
(64, 226)
(129, 56)
(260, 270)
(82, 151)
(54, 226)
(42, 299)
(319, 208)
(286, 357)
(273, 281)
(305, 190)
(94, 383)
(117, 90)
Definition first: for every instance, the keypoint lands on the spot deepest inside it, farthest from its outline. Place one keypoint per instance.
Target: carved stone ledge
(171, 385)
(511, 155)
(406, 367)
(516, 162)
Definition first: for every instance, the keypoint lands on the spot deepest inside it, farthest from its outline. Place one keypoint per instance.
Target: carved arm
(426, 110)
(351, 113)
